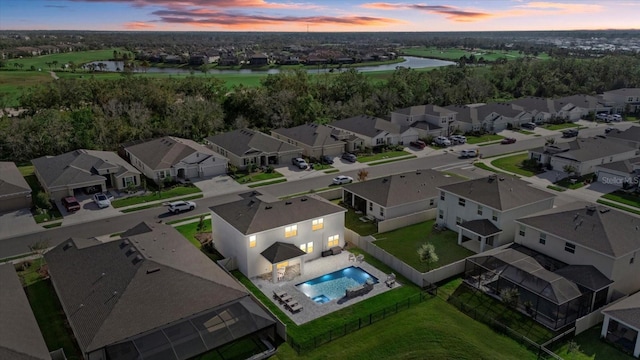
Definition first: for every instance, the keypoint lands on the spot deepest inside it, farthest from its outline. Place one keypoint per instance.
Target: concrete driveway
(218, 185)
(89, 211)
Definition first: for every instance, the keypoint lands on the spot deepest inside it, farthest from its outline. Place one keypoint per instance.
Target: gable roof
(465, 114)
(243, 142)
(609, 231)
(580, 100)
(585, 149)
(165, 152)
(507, 110)
(20, 336)
(11, 180)
(624, 166)
(252, 215)
(119, 289)
(79, 166)
(626, 310)
(631, 134)
(482, 227)
(500, 192)
(635, 92)
(312, 135)
(536, 104)
(585, 275)
(405, 188)
(427, 109)
(369, 126)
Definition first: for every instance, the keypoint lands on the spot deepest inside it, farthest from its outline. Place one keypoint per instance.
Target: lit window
(479, 210)
(543, 238)
(462, 202)
(317, 224)
(309, 247)
(290, 231)
(522, 230)
(303, 247)
(333, 241)
(570, 248)
(252, 241)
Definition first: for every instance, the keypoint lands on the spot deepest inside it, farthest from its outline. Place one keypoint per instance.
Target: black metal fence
(304, 346)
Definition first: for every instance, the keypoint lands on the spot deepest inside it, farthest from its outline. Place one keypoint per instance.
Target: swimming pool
(332, 286)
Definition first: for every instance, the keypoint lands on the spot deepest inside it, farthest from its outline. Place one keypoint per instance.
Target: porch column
(301, 265)
(605, 327)
(274, 273)
(483, 242)
(460, 236)
(636, 350)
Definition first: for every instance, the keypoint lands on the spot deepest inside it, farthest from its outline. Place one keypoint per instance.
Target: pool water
(333, 286)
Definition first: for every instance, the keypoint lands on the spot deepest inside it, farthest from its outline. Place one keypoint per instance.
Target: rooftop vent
(604, 210)
(67, 246)
(287, 203)
(591, 209)
(492, 177)
(130, 251)
(153, 270)
(401, 177)
(418, 172)
(501, 179)
(268, 207)
(124, 244)
(136, 259)
(304, 199)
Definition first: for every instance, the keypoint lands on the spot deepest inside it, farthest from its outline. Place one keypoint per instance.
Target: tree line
(92, 113)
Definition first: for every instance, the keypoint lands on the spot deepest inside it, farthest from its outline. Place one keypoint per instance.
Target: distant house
(259, 60)
(315, 140)
(623, 100)
(20, 336)
(262, 236)
(624, 173)
(426, 119)
(621, 324)
(245, 146)
(582, 233)
(375, 131)
(482, 211)
(316, 61)
(542, 109)
(492, 117)
(397, 195)
(151, 294)
(84, 170)
(576, 107)
(176, 158)
(228, 60)
(631, 136)
(582, 154)
(15, 192)
(198, 59)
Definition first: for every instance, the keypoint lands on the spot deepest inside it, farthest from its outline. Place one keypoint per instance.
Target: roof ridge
(19, 352)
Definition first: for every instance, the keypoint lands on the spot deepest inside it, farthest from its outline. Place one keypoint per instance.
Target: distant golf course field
(456, 53)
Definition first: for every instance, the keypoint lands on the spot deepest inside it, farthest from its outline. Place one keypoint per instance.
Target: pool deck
(312, 269)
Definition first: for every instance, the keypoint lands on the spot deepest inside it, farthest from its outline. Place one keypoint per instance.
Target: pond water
(409, 62)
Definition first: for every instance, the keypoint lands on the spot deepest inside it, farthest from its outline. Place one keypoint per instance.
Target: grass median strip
(624, 198)
(382, 156)
(391, 160)
(614, 205)
(471, 140)
(556, 188)
(165, 194)
(267, 183)
(158, 204)
(194, 217)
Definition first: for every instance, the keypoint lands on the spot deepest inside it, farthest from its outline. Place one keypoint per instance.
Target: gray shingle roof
(624, 166)
(11, 181)
(482, 227)
(20, 336)
(428, 109)
(585, 275)
(168, 151)
(501, 192)
(310, 134)
(626, 92)
(366, 125)
(465, 113)
(538, 104)
(405, 188)
(79, 166)
(243, 142)
(506, 110)
(631, 134)
(626, 310)
(252, 215)
(585, 149)
(608, 231)
(115, 290)
(580, 100)
(280, 251)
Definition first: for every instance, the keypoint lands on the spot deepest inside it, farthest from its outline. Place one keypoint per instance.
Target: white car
(442, 141)
(469, 153)
(101, 200)
(300, 163)
(342, 179)
(458, 139)
(179, 206)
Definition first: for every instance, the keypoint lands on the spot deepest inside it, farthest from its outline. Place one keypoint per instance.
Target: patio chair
(294, 307)
(286, 299)
(279, 294)
(352, 257)
(360, 258)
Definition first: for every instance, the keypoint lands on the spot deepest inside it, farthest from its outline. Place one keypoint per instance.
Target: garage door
(219, 168)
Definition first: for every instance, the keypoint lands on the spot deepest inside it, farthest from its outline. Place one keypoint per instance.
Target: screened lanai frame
(553, 300)
(196, 335)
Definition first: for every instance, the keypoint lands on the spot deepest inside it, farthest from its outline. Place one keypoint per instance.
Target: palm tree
(427, 254)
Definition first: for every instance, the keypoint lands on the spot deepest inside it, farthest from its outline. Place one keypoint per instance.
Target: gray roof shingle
(11, 180)
(624, 166)
(280, 251)
(366, 125)
(500, 192)
(599, 228)
(168, 151)
(631, 134)
(585, 149)
(243, 142)
(252, 215)
(482, 227)
(428, 109)
(626, 310)
(312, 135)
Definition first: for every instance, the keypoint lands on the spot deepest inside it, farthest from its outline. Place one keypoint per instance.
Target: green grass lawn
(382, 156)
(190, 230)
(404, 243)
(591, 347)
(352, 221)
(484, 166)
(560, 126)
(615, 205)
(455, 53)
(483, 138)
(556, 188)
(566, 183)
(14, 83)
(276, 181)
(257, 176)
(77, 57)
(164, 194)
(513, 164)
(623, 197)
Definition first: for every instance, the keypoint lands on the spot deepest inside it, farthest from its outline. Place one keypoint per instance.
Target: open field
(77, 57)
(513, 164)
(455, 53)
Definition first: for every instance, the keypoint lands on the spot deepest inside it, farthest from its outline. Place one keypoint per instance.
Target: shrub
(41, 201)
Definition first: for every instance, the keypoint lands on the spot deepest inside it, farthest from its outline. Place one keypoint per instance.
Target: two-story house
(426, 119)
(542, 109)
(375, 131)
(315, 140)
(262, 236)
(576, 107)
(623, 100)
(482, 211)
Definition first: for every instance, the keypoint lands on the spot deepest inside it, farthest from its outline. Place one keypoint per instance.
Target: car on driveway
(349, 157)
(300, 163)
(70, 203)
(342, 179)
(326, 159)
(458, 139)
(508, 141)
(442, 141)
(180, 206)
(418, 144)
(101, 200)
(529, 125)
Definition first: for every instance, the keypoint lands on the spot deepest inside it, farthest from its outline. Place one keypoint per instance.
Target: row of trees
(92, 113)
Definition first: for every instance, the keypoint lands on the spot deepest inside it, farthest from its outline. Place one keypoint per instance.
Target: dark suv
(349, 157)
(70, 203)
(418, 144)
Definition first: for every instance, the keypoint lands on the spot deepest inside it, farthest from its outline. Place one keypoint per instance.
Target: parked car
(458, 139)
(418, 144)
(602, 116)
(342, 179)
(71, 204)
(469, 153)
(442, 141)
(569, 133)
(614, 117)
(508, 141)
(101, 200)
(300, 163)
(349, 157)
(608, 130)
(326, 159)
(529, 125)
(179, 206)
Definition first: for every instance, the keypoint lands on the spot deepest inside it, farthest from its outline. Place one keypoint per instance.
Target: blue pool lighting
(333, 286)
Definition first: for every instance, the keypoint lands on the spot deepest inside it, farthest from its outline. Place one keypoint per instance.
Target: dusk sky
(318, 15)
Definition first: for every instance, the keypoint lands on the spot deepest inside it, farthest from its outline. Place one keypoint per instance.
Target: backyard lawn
(352, 221)
(513, 164)
(560, 126)
(154, 196)
(471, 139)
(591, 347)
(404, 243)
(382, 156)
(623, 197)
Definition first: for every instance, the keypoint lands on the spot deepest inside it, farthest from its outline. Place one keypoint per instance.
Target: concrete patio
(312, 269)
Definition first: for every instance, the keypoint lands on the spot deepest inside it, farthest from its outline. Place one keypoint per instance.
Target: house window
(458, 220)
(440, 214)
(442, 195)
(333, 241)
(630, 99)
(370, 206)
(252, 241)
(317, 224)
(129, 181)
(570, 248)
(308, 247)
(489, 240)
(494, 216)
(462, 202)
(543, 238)
(381, 212)
(379, 141)
(522, 230)
(431, 202)
(479, 210)
(290, 231)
